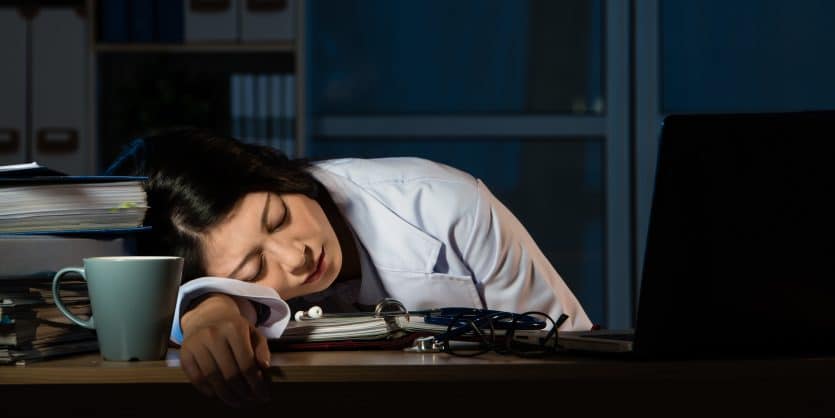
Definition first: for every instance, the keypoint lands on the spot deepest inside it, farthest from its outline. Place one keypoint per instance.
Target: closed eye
(262, 268)
(282, 220)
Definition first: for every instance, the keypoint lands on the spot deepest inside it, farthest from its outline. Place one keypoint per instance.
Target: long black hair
(195, 178)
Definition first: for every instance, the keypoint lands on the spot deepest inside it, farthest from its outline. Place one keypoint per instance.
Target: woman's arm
(217, 305)
(512, 271)
(222, 353)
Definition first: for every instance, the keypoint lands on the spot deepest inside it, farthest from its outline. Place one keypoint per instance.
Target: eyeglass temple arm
(435, 343)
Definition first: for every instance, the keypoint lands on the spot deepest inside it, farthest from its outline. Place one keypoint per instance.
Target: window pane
(749, 56)
(554, 187)
(463, 56)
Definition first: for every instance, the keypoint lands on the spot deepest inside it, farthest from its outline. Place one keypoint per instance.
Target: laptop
(740, 252)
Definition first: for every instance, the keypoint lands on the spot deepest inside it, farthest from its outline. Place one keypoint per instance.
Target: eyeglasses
(472, 332)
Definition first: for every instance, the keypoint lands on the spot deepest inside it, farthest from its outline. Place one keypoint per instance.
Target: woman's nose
(293, 256)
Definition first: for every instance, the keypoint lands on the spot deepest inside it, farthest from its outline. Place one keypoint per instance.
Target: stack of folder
(57, 203)
(49, 221)
(31, 327)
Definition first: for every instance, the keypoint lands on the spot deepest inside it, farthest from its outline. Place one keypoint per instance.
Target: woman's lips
(320, 264)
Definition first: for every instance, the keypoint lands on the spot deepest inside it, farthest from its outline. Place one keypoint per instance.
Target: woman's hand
(222, 353)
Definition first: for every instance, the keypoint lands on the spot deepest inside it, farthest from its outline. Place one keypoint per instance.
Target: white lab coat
(430, 236)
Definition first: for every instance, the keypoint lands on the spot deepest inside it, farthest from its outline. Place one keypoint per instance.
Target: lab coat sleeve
(509, 268)
(272, 327)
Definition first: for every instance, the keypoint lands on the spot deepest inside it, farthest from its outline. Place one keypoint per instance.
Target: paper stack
(32, 328)
(49, 221)
(68, 203)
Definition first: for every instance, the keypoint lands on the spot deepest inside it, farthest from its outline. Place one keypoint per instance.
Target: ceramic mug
(132, 300)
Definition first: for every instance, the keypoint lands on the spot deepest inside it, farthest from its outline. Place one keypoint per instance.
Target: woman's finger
(214, 376)
(244, 355)
(194, 374)
(261, 348)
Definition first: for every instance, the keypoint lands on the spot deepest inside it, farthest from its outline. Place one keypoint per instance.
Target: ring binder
(379, 312)
(393, 326)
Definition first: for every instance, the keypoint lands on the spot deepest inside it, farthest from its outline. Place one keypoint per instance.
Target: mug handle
(56, 287)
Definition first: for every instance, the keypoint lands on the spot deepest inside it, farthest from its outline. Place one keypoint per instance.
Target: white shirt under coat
(429, 236)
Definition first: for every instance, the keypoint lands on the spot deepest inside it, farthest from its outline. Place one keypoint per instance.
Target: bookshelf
(223, 57)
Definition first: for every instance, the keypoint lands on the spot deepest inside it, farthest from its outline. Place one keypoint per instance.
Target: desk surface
(395, 366)
(340, 381)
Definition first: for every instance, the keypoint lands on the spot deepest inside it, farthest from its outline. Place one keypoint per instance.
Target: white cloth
(273, 325)
(435, 237)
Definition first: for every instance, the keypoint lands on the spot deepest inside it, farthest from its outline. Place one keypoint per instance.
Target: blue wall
(747, 55)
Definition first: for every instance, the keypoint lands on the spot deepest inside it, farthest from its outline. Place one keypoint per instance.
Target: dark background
(486, 60)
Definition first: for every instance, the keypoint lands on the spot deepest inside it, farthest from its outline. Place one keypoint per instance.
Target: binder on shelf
(211, 20)
(248, 107)
(290, 114)
(170, 21)
(143, 21)
(113, 15)
(275, 112)
(268, 20)
(261, 108)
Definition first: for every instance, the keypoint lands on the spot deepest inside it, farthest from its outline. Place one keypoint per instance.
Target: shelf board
(206, 47)
(590, 127)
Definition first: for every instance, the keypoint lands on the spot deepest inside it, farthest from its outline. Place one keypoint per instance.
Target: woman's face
(280, 241)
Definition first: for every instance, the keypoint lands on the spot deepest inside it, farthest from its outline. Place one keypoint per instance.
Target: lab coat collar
(393, 244)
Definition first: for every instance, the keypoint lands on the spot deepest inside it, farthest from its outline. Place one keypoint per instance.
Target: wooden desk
(340, 382)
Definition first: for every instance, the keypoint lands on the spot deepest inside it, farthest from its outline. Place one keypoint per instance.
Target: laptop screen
(739, 252)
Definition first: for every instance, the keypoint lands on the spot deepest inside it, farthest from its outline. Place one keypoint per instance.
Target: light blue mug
(132, 300)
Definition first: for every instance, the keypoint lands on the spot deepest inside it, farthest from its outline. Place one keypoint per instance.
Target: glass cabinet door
(515, 92)
(454, 57)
